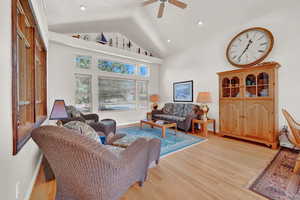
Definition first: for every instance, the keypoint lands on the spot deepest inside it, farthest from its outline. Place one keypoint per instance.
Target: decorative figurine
(102, 39)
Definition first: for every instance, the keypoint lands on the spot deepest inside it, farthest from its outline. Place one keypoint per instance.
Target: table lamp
(204, 98)
(59, 112)
(154, 98)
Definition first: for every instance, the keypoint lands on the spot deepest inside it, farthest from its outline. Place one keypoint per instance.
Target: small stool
(109, 125)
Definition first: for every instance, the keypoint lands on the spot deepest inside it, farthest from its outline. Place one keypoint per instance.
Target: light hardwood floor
(220, 168)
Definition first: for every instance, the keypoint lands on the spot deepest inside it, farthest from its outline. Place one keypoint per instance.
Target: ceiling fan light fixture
(177, 3)
(82, 7)
(200, 23)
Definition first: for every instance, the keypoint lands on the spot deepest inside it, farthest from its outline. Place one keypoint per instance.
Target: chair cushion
(83, 129)
(168, 108)
(169, 117)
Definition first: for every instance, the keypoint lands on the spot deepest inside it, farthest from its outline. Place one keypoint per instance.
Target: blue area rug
(170, 143)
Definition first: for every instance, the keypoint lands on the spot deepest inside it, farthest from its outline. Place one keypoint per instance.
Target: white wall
(202, 61)
(22, 167)
(62, 80)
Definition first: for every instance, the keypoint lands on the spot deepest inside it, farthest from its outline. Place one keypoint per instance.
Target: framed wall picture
(183, 91)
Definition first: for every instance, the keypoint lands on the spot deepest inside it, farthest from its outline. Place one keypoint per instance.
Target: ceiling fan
(162, 5)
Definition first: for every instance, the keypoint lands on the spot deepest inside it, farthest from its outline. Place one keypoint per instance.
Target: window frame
(97, 73)
(24, 26)
(136, 102)
(91, 88)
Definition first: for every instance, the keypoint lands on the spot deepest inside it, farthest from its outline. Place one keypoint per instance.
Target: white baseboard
(35, 174)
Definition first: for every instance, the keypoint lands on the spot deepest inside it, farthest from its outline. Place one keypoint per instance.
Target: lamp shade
(204, 97)
(154, 98)
(59, 111)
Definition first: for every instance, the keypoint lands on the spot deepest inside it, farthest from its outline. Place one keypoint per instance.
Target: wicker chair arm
(135, 148)
(81, 119)
(154, 150)
(94, 117)
(115, 138)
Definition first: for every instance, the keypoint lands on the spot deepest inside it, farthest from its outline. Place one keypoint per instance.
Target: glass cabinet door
(251, 84)
(235, 87)
(225, 87)
(258, 85)
(263, 85)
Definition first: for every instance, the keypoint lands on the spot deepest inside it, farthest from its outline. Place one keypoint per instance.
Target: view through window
(83, 93)
(120, 86)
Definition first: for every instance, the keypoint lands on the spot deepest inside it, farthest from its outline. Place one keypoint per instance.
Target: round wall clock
(250, 47)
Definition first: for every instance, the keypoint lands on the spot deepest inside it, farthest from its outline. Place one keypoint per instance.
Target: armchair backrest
(179, 109)
(76, 160)
(294, 134)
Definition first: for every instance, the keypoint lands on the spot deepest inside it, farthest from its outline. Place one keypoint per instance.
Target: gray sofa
(180, 113)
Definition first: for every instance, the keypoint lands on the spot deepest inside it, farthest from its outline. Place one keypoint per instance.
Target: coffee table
(162, 126)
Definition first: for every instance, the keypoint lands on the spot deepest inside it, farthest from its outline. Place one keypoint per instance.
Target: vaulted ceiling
(141, 25)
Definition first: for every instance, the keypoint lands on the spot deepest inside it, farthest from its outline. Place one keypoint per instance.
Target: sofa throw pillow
(83, 129)
(178, 109)
(168, 108)
(72, 111)
(187, 110)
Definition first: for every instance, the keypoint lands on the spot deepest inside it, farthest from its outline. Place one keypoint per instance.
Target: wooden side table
(203, 126)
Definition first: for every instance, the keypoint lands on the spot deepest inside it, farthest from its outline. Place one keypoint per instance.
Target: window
(143, 71)
(29, 100)
(125, 87)
(83, 93)
(40, 81)
(143, 96)
(83, 62)
(116, 67)
(117, 94)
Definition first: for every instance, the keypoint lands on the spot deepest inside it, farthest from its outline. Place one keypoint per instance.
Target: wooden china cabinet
(248, 103)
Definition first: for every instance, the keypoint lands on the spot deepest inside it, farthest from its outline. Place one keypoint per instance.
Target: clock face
(250, 47)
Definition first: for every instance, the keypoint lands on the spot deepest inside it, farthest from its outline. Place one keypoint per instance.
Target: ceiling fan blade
(145, 3)
(178, 3)
(161, 10)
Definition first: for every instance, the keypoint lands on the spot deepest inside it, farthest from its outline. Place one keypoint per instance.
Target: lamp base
(154, 106)
(59, 123)
(205, 110)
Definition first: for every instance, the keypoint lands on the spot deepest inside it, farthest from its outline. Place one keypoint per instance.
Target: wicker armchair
(85, 170)
(105, 126)
(293, 135)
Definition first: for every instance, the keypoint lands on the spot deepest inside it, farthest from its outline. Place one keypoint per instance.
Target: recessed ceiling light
(83, 7)
(200, 23)
(168, 41)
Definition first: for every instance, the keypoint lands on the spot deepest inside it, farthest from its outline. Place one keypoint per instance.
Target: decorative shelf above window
(115, 40)
(105, 49)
